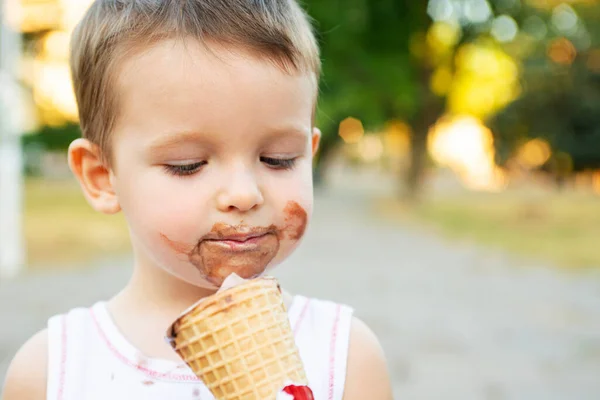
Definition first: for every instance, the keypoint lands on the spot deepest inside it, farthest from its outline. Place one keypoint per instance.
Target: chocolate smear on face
(217, 263)
(215, 260)
(179, 247)
(296, 219)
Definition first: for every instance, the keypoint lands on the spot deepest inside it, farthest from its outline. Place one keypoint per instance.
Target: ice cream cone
(239, 342)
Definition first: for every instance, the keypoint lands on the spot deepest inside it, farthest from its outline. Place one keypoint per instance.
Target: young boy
(197, 118)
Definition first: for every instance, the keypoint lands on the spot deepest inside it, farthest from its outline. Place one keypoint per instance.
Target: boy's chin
(216, 282)
(213, 284)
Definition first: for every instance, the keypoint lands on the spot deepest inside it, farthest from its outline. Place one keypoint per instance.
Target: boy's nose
(241, 192)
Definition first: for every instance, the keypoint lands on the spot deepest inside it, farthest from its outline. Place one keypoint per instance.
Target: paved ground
(455, 322)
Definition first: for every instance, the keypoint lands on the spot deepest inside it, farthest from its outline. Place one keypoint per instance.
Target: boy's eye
(185, 169)
(279, 163)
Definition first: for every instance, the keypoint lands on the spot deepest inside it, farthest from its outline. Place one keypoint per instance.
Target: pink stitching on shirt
(334, 335)
(63, 358)
(301, 317)
(151, 373)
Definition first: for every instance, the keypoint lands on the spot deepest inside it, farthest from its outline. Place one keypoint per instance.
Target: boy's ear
(316, 139)
(95, 178)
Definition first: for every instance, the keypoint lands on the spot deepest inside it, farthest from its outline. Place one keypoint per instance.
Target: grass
(561, 228)
(62, 230)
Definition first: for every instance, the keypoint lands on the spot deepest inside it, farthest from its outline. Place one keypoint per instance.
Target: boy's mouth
(228, 249)
(240, 242)
(242, 249)
(239, 234)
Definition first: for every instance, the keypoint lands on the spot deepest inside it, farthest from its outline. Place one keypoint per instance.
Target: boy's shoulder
(27, 374)
(367, 372)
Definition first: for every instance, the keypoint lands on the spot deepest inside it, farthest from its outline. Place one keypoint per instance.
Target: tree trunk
(418, 156)
(431, 109)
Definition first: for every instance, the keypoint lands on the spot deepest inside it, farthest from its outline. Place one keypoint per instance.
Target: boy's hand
(367, 376)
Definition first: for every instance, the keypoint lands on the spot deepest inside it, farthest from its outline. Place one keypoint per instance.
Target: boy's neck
(151, 288)
(150, 303)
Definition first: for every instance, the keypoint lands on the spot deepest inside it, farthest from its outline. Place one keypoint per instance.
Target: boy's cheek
(173, 219)
(151, 212)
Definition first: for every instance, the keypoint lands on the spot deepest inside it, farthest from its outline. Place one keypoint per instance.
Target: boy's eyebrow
(176, 139)
(296, 132)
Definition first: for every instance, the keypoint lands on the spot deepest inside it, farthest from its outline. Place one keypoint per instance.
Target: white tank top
(90, 359)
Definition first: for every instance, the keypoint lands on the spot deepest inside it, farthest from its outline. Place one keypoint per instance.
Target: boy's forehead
(190, 86)
(201, 63)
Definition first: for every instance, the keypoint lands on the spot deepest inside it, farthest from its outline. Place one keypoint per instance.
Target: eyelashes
(185, 169)
(190, 169)
(279, 163)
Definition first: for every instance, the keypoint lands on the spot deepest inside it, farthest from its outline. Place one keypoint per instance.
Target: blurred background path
(455, 322)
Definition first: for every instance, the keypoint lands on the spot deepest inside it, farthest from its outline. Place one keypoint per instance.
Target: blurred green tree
(369, 71)
(380, 58)
(560, 102)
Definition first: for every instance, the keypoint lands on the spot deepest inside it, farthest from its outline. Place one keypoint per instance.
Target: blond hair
(277, 30)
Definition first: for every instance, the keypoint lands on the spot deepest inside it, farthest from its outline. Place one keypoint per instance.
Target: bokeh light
(562, 51)
(466, 146)
(47, 69)
(534, 153)
(351, 130)
(536, 27)
(486, 80)
(564, 19)
(504, 28)
(370, 148)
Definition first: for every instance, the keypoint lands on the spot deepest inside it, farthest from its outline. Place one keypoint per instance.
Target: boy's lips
(239, 243)
(236, 234)
(235, 238)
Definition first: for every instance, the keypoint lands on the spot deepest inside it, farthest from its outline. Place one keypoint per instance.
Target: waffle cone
(239, 342)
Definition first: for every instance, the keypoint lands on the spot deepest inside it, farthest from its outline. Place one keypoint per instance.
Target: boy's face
(213, 160)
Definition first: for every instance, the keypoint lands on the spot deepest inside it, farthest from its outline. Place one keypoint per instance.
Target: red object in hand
(299, 392)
